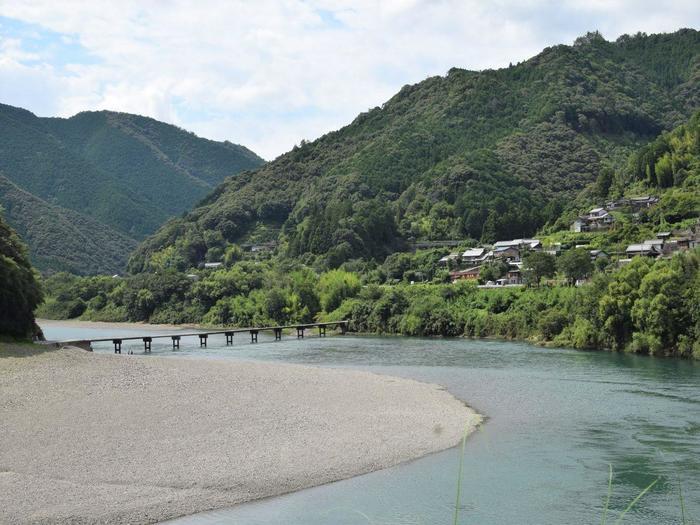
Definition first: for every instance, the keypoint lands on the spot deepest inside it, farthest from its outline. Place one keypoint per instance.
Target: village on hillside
(471, 263)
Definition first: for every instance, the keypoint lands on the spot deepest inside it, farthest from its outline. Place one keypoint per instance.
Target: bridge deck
(341, 324)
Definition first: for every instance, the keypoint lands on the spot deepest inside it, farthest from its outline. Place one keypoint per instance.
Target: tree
(604, 181)
(537, 265)
(20, 292)
(233, 254)
(575, 264)
(493, 271)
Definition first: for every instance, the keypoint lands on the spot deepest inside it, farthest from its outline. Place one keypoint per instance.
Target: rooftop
(517, 242)
(641, 248)
(474, 252)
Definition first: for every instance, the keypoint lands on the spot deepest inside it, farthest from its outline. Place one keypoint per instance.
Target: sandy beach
(123, 439)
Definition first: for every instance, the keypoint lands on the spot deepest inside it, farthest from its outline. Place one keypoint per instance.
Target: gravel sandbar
(125, 439)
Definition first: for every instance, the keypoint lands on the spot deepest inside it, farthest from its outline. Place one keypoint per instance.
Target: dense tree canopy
(19, 289)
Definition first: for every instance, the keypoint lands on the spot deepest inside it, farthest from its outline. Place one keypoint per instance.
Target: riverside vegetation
(646, 307)
(474, 155)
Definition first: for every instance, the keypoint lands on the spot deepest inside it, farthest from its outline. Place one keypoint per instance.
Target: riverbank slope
(124, 439)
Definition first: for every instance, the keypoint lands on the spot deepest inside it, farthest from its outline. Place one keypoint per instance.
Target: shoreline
(96, 437)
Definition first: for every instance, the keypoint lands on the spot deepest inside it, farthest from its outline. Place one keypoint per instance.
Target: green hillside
(668, 167)
(62, 239)
(483, 155)
(128, 172)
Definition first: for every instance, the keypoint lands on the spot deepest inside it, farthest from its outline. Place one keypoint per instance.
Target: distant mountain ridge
(63, 239)
(113, 171)
(489, 155)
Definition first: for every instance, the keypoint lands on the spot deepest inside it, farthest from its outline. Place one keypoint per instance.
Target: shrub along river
(556, 420)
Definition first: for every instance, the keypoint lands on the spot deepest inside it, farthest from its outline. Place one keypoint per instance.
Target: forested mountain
(112, 171)
(63, 239)
(489, 154)
(19, 289)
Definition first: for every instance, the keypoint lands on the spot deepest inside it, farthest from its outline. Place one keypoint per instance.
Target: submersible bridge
(204, 335)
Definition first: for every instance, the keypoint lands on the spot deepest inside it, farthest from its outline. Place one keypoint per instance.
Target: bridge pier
(343, 327)
(322, 331)
(176, 341)
(117, 346)
(229, 338)
(203, 340)
(147, 344)
(278, 334)
(253, 336)
(300, 332)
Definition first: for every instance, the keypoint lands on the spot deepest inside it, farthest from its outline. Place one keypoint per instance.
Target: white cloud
(269, 73)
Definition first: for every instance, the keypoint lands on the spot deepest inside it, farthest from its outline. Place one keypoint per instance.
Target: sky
(268, 74)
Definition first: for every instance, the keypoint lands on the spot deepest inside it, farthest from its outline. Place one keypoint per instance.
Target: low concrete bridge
(203, 336)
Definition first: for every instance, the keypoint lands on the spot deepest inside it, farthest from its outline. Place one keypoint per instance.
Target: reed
(459, 476)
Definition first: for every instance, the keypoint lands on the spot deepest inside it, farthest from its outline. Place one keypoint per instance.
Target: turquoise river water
(556, 420)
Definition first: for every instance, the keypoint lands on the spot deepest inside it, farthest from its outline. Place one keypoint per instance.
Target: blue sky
(268, 74)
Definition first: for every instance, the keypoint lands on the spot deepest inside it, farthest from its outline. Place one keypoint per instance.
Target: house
(529, 244)
(513, 275)
(260, 247)
(445, 261)
(648, 250)
(470, 274)
(636, 203)
(579, 225)
(515, 249)
(597, 219)
(687, 243)
(598, 254)
(554, 249)
(474, 256)
(639, 203)
(614, 205)
(509, 253)
(213, 265)
(671, 246)
(658, 244)
(263, 247)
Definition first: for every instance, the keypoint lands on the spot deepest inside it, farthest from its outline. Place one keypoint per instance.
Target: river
(556, 420)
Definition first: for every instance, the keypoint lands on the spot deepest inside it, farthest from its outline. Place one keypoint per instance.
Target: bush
(335, 286)
(551, 324)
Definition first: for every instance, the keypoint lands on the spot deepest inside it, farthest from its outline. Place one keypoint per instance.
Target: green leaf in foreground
(635, 500)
